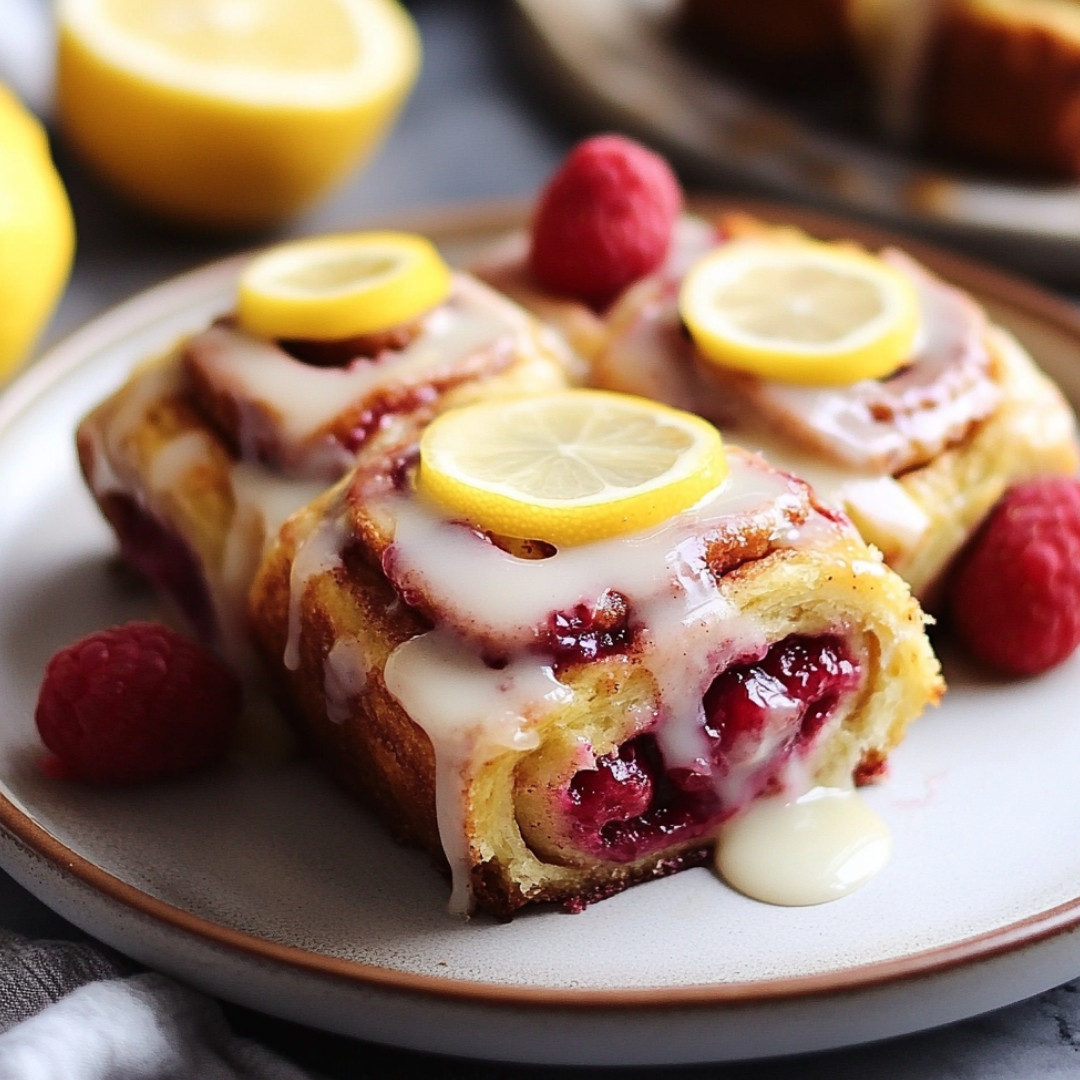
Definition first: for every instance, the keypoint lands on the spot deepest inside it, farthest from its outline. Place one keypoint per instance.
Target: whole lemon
(230, 113)
(37, 232)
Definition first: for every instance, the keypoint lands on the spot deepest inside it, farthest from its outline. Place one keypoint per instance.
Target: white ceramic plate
(617, 60)
(267, 887)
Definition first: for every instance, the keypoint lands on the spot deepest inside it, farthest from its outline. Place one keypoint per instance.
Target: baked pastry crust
(1032, 433)
(435, 687)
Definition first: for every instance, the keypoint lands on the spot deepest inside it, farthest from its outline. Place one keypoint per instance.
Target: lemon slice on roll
(802, 312)
(337, 287)
(570, 467)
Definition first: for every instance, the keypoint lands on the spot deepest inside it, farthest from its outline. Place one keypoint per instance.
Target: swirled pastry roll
(202, 454)
(559, 724)
(916, 459)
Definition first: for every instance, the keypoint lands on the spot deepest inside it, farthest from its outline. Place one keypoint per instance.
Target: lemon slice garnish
(569, 467)
(230, 113)
(801, 312)
(336, 287)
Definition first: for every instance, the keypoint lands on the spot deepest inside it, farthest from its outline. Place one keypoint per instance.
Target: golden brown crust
(203, 504)
(377, 754)
(162, 478)
(1031, 434)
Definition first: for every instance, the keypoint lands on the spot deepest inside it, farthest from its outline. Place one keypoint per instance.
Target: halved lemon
(37, 232)
(230, 113)
(802, 312)
(570, 467)
(336, 287)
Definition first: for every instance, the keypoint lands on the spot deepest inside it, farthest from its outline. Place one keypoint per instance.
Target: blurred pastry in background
(992, 84)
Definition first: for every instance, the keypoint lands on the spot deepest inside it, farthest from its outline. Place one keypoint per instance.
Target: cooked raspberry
(1014, 594)
(135, 703)
(620, 788)
(604, 220)
(631, 803)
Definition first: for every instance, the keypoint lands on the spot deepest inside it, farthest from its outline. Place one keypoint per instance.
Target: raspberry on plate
(135, 703)
(1014, 594)
(604, 220)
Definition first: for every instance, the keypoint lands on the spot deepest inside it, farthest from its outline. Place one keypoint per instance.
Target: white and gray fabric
(70, 1011)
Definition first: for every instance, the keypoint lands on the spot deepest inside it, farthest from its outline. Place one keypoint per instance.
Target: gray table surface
(476, 129)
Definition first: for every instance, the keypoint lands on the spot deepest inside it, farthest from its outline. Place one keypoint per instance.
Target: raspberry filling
(589, 631)
(163, 558)
(757, 716)
(344, 352)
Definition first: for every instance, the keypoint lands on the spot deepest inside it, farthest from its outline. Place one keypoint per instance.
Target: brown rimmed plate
(261, 884)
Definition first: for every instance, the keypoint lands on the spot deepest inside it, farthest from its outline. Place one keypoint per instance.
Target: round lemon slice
(230, 113)
(336, 287)
(800, 312)
(570, 467)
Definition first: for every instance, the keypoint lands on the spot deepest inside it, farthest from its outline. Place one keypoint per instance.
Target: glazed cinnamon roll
(916, 458)
(555, 724)
(198, 459)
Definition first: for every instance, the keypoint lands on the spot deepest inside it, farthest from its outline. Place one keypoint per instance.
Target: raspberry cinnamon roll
(916, 457)
(198, 459)
(559, 721)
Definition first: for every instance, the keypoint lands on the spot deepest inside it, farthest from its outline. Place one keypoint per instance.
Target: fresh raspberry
(604, 220)
(1014, 595)
(135, 703)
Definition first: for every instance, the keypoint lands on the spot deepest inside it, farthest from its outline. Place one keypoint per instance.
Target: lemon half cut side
(336, 287)
(802, 312)
(230, 113)
(262, 52)
(571, 467)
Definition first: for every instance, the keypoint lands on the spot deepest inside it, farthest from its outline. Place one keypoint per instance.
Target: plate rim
(462, 221)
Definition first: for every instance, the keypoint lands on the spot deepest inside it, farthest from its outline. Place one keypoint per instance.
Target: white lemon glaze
(474, 699)
(805, 849)
(286, 403)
